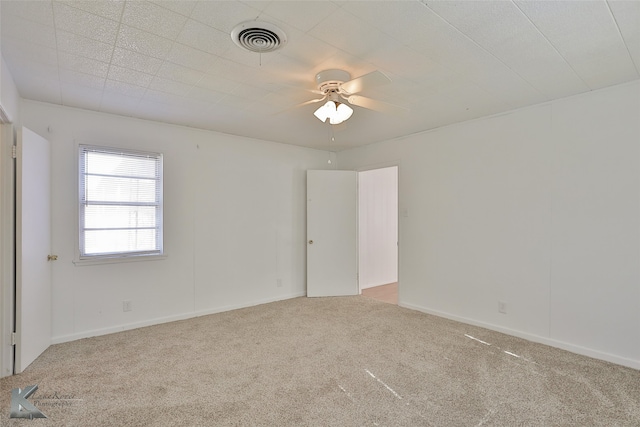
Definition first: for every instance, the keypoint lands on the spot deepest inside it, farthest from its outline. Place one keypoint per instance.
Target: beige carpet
(349, 361)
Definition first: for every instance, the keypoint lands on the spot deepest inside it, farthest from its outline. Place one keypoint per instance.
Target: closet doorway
(378, 233)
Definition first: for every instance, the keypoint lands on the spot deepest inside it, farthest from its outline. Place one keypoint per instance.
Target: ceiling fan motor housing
(330, 80)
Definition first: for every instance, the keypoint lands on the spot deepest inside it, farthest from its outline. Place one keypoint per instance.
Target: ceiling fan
(339, 90)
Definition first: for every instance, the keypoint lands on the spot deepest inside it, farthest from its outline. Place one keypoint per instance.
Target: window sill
(117, 260)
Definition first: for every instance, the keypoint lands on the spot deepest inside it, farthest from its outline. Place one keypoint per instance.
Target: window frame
(120, 256)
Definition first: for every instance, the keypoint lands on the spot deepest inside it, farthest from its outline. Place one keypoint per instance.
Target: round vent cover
(258, 36)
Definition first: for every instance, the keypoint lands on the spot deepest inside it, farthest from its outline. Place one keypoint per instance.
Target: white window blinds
(120, 202)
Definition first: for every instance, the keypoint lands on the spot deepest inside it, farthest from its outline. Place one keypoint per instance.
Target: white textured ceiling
(449, 61)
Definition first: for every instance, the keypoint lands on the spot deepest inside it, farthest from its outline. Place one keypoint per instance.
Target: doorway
(378, 233)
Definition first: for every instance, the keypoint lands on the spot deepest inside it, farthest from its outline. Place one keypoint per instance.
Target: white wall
(539, 208)
(234, 223)
(9, 98)
(378, 227)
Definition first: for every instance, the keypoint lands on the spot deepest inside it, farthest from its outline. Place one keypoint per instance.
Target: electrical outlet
(126, 306)
(279, 283)
(502, 307)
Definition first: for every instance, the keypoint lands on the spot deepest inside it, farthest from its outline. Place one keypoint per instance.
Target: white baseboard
(159, 320)
(584, 351)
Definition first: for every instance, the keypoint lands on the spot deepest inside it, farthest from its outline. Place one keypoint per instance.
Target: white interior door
(33, 245)
(7, 249)
(332, 236)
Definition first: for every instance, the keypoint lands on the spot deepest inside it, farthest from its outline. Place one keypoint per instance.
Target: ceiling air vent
(258, 36)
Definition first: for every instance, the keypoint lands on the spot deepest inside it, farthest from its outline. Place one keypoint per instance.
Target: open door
(7, 248)
(332, 233)
(33, 245)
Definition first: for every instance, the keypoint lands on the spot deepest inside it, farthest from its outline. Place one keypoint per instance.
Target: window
(120, 203)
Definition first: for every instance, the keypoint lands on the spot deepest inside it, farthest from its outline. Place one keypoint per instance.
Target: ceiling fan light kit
(336, 112)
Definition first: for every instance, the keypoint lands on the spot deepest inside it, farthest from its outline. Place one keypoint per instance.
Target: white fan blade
(372, 104)
(312, 101)
(374, 78)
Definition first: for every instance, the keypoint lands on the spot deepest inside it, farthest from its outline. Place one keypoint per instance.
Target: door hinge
(13, 338)
(14, 151)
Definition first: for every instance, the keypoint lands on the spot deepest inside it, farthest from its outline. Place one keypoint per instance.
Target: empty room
(194, 195)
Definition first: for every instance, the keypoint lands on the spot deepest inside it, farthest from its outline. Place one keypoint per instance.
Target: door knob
(52, 257)
(311, 242)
